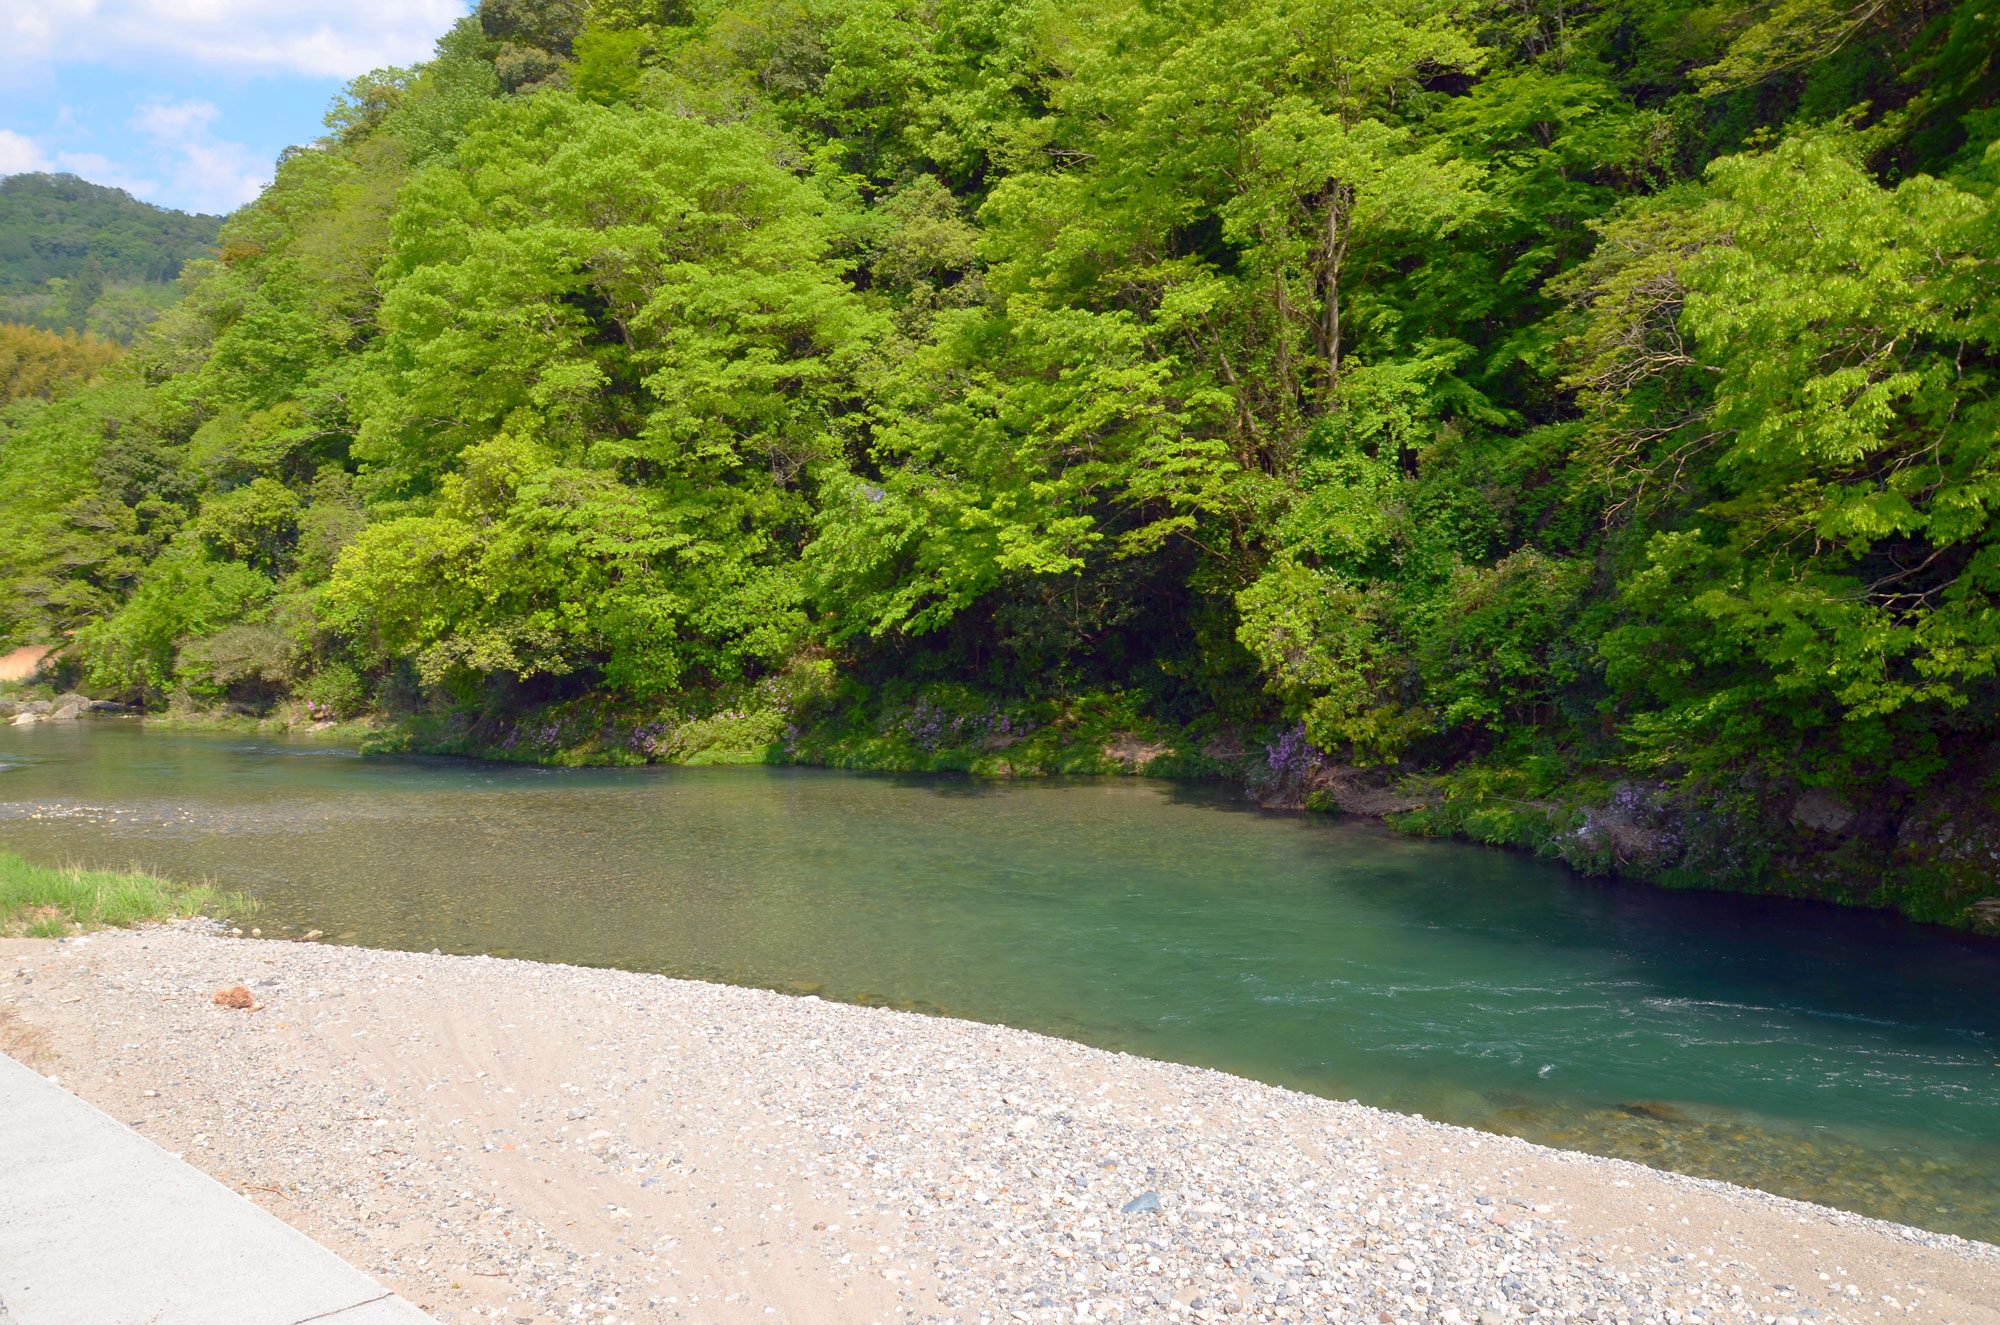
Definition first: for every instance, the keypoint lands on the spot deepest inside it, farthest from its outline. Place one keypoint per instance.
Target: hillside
(114, 259)
(1567, 427)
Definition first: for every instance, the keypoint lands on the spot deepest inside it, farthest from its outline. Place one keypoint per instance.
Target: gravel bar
(523, 1142)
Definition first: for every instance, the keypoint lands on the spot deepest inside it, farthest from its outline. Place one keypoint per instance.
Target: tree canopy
(1586, 393)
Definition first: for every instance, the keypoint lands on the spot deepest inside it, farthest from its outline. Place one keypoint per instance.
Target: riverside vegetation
(48, 902)
(1568, 426)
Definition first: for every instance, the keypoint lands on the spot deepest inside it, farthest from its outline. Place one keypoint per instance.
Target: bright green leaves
(1370, 671)
(1168, 264)
(882, 90)
(1323, 642)
(1852, 331)
(1383, 623)
(237, 445)
(1828, 303)
(1022, 446)
(619, 345)
(1323, 194)
(1277, 143)
(607, 64)
(185, 595)
(500, 579)
(255, 524)
(91, 490)
(529, 567)
(604, 277)
(1811, 359)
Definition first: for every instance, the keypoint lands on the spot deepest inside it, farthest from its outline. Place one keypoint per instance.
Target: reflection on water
(1843, 1058)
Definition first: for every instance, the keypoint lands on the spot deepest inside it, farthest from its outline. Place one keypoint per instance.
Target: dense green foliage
(1568, 397)
(76, 256)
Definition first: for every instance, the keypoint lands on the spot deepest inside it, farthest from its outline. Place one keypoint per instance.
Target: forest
(83, 258)
(1570, 426)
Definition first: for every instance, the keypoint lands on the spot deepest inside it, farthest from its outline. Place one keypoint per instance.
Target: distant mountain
(81, 256)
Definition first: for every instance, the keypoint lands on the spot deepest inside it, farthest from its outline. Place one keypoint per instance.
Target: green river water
(1845, 1058)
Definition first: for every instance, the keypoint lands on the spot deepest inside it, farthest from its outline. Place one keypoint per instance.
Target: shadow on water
(1809, 958)
(1839, 1057)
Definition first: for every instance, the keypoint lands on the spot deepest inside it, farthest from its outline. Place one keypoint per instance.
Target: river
(1840, 1057)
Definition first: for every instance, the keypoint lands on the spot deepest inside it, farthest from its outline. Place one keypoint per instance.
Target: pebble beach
(523, 1142)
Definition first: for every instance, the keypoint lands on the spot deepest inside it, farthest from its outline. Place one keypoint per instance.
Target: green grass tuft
(42, 902)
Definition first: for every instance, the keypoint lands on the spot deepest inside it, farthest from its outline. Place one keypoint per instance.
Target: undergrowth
(47, 902)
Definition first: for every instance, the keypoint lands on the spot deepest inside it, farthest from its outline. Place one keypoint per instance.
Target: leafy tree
(83, 291)
(612, 389)
(1837, 457)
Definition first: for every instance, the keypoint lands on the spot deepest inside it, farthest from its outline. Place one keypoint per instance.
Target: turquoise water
(1842, 1057)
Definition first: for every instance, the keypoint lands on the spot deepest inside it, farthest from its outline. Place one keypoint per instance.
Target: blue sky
(187, 103)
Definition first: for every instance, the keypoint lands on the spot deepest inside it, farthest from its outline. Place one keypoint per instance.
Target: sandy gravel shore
(522, 1142)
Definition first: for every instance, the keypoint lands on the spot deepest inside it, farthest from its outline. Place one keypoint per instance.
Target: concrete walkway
(99, 1226)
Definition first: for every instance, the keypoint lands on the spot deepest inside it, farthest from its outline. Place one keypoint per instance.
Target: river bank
(1928, 858)
(514, 1141)
(41, 902)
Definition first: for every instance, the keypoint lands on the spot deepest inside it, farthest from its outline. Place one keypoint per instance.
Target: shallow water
(1845, 1058)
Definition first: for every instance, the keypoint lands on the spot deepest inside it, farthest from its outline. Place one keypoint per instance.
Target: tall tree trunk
(1332, 254)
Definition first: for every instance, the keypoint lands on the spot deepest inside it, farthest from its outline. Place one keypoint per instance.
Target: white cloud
(35, 25)
(185, 161)
(170, 121)
(319, 38)
(207, 173)
(180, 152)
(20, 154)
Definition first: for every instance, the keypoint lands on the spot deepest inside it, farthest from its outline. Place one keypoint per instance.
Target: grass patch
(47, 903)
